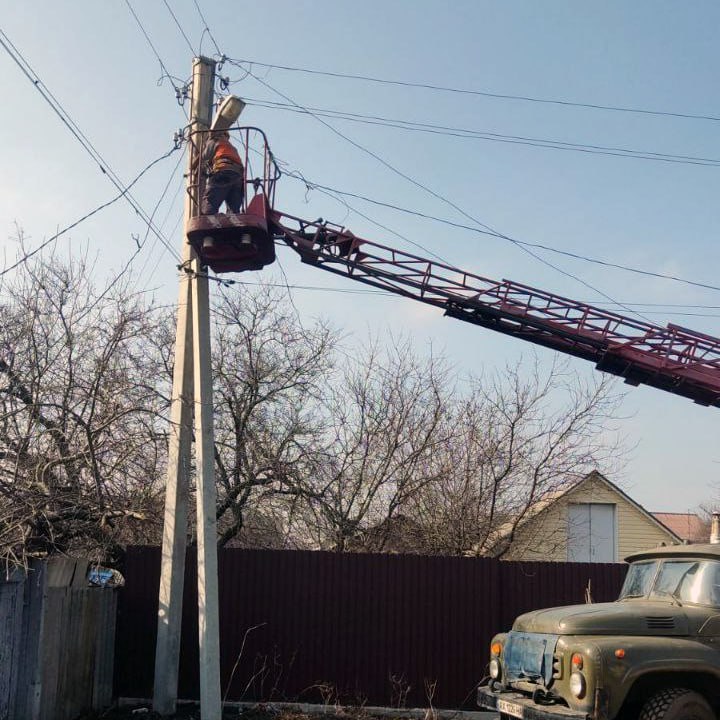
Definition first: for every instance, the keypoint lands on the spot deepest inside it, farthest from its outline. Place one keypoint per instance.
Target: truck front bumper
(520, 706)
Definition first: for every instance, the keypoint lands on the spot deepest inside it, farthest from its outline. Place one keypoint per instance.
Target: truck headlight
(494, 668)
(578, 684)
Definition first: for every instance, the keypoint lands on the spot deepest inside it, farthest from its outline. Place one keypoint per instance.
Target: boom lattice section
(671, 358)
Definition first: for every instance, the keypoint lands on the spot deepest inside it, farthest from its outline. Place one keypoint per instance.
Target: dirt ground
(192, 712)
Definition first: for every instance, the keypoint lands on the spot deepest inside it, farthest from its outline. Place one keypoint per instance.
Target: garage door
(591, 532)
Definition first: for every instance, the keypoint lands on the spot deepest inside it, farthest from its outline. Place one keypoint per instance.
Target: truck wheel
(677, 704)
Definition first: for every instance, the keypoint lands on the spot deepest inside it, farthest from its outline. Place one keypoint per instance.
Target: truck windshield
(686, 581)
(638, 580)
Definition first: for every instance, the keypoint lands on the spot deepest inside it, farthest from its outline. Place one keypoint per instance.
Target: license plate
(509, 708)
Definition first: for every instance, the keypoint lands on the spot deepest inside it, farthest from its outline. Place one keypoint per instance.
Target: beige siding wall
(544, 537)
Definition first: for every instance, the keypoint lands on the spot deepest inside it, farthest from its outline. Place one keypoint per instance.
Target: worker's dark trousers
(224, 185)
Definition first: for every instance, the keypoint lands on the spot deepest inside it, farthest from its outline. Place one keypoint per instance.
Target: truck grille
(660, 622)
(530, 657)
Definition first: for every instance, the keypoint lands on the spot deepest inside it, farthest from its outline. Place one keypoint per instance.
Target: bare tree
(314, 447)
(80, 449)
(518, 437)
(383, 424)
(269, 373)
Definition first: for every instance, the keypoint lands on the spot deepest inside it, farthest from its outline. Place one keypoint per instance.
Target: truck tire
(677, 704)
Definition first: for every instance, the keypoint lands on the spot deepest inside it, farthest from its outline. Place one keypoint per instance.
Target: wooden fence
(56, 642)
(325, 627)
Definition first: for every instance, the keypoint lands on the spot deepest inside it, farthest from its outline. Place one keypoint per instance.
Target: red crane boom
(672, 358)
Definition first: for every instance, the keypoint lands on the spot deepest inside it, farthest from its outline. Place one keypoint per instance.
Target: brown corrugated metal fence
(378, 629)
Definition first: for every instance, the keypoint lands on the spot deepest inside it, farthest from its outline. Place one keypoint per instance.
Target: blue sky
(658, 216)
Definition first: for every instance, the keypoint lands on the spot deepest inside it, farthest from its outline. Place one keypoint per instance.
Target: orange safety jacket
(225, 155)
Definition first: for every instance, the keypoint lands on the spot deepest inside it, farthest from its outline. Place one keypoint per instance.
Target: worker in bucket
(226, 178)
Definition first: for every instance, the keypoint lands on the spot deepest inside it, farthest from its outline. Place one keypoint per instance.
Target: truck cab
(653, 654)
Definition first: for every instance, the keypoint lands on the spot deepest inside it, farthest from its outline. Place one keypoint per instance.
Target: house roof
(687, 526)
(396, 534)
(599, 476)
(705, 550)
(554, 496)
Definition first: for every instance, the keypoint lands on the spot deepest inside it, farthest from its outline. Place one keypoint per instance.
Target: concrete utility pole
(192, 378)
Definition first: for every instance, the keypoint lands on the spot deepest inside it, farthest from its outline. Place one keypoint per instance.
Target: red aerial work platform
(671, 358)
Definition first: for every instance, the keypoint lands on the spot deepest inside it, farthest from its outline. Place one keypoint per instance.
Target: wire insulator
(182, 94)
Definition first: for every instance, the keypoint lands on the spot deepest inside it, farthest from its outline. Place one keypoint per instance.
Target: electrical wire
(154, 270)
(124, 192)
(331, 194)
(342, 291)
(290, 296)
(178, 190)
(334, 192)
(228, 282)
(207, 29)
(613, 303)
(179, 27)
(466, 133)
(482, 93)
(166, 72)
(111, 284)
(488, 230)
(33, 77)
(447, 201)
(76, 131)
(391, 231)
(676, 305)
(152, 215)
(540, 246)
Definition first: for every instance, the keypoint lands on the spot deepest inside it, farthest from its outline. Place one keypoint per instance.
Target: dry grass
(258, 712)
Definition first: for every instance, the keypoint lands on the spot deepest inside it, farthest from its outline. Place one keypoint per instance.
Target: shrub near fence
(354, 628)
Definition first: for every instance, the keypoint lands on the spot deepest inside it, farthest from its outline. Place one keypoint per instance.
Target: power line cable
(435, 194)
(44, 244)
(153, 273)
(228, 282)
(447, 201)
(539, 246)
(152, 215)
(489, 231)
(166, 72)
(297, 175)
(76, 131)
(334, 196)
(173, 230)
(482, 93)
(207, 29)
(675, 305)
(180, 27)
(470, 134)
(111, 284)
(391, 231)
(171, 204)
(47, 95)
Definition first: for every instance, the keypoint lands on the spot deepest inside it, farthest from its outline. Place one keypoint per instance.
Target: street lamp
(228, 112)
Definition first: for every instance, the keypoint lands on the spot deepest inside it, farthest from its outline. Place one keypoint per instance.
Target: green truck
(654, 654)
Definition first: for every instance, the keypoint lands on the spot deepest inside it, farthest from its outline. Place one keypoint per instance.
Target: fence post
(11, 622)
